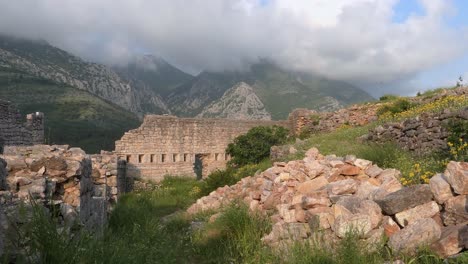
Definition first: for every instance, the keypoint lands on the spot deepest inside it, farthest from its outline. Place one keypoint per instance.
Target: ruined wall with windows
(167, 145)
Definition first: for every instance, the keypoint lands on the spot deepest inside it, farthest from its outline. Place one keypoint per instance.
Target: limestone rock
(350, 170)
(452, 241)
(312, 185)
(422, 232)
(348, 186)
(362, 164)
(358, 225)
(320, 218)
(457, 176)
(456, 210)
(408, 216)
(374, 171)
(390, 227)
(440, 188)
(405, 198)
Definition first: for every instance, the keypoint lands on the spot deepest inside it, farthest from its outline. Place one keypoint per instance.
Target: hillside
(72, 116)
(280, 91)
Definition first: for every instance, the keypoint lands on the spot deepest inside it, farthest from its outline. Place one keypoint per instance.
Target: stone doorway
(200, 165)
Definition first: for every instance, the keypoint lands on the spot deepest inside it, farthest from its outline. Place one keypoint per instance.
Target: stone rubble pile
(331, 196)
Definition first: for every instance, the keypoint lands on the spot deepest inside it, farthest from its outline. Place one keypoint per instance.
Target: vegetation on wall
(254, 146)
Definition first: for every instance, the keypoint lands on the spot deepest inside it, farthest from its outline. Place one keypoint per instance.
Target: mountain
(279, 90)
(154, 78)
(148, 84)
(138, 87)
(72, 116)
(239, 102)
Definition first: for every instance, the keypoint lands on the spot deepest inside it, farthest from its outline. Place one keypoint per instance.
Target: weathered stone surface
(405, 198)
(452, 240)
(312, 185)
(320, 218)
(362, 164)
(457, 175)
(422, 232)
(456, 210)
(374, 171)
(312, 201)
(348, 186)
(427, 210)
(390, 227)
(440, 188)
(350, 170)
(358, 225)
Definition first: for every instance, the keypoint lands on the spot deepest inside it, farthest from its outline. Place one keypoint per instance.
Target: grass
(150, 227)
(344, 142)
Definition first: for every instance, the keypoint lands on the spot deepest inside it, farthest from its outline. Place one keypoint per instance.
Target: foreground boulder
(332, 197)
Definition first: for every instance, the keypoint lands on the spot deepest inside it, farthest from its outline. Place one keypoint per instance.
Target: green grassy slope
(72, 116)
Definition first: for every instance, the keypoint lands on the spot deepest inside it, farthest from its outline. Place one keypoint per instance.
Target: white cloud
(354, 40)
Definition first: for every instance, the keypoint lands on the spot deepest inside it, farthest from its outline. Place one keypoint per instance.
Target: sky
(383, 46)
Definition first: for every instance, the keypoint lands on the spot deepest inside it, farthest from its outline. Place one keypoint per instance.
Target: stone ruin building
(13, 130)
(167, 145)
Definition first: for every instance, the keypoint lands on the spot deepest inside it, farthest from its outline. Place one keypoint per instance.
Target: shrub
(255, 146)
(388, 97)
(230, 176)
(396, 107)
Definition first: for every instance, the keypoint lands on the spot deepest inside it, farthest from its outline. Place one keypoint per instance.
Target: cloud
(353, 40)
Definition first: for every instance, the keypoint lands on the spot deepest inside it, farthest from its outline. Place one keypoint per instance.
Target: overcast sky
(382, 45)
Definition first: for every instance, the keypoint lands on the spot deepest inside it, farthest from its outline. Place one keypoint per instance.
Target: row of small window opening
(162, 158)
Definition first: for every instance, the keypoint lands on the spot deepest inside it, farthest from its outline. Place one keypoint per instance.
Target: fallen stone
(456, 210)
(348, 186)
(320, 218)
(457, 175)
(358, 225)
(452, 241)
(373, 171)
(312, 153)
(422, 232)
(440, 188)
(312, 185)
(427, 210)
(390, 227)
(350, 170)
(405, 198)
(362, 164)
(312, 201)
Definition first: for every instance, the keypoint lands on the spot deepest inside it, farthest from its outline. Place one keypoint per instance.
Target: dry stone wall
(304, 120)
(424, 133)
(167, 145)
(14, 132)
(322, 198)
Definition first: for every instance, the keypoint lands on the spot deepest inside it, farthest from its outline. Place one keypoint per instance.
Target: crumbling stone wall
(81, 188)
(167, 145)
(424, 133)
(304, 120)
(13, 132)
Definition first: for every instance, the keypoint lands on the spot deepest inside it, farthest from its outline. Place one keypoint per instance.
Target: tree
(254, 146)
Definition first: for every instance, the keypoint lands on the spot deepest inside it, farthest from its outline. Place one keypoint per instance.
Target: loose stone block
(457, 176)
(440, 188)
(422, 232)
(405, 198)
(456, 210)
(452, 241)
(312, 185)
(408, 216)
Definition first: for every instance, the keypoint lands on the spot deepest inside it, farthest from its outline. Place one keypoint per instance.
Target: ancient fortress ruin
(167, 145)
(13, 130)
